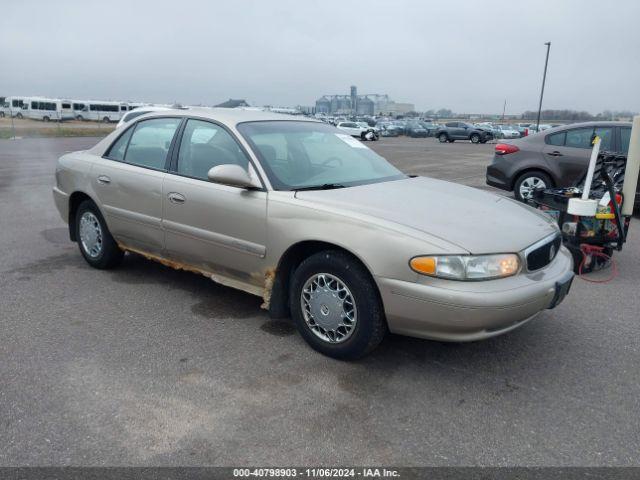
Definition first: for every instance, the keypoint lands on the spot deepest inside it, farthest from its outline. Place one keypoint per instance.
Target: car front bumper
(468, 311)
(61, 200)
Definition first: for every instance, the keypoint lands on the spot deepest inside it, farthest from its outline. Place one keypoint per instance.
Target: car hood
(474, 220)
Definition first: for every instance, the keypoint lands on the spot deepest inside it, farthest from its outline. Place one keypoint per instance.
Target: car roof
(539, 136)
(570, 126)
(607, 123)
(229, 116)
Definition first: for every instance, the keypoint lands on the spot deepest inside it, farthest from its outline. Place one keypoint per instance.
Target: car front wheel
(336, 307)
(475, 138)
(443, 138)
(529, 182)
(96, 244)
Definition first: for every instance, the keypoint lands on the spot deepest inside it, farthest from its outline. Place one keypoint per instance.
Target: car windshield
(298, 154)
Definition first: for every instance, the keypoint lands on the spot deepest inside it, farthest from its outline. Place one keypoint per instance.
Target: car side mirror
(233, 175)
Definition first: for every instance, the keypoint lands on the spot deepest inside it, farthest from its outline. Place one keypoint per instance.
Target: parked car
(368, 127)
(489, 127)
(452, 131)
(356, 130)
(390, 130)
(400, 126)
(317, 224)
(508, 131)
(556, 157)
(430, 127)
(415, 130)
(522, 131)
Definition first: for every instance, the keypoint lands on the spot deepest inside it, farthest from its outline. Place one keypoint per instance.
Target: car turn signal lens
(467, 267)
(424, 265)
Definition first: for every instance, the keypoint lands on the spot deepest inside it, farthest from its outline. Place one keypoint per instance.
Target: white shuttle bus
(46, 109)
(99, 110)
(16, 106)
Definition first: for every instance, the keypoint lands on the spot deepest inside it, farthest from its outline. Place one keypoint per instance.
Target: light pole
(544, 78)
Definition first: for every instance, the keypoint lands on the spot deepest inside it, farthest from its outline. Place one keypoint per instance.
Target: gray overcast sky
(466, 55)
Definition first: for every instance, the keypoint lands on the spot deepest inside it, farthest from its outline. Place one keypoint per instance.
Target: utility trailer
(594, 216)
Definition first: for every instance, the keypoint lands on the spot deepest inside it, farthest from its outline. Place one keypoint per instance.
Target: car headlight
(467, 267)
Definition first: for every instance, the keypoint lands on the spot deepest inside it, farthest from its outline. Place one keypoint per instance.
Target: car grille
(543, 255)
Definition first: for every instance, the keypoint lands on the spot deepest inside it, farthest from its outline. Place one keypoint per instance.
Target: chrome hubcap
(90, 234)
(529, 185)
(328, 308)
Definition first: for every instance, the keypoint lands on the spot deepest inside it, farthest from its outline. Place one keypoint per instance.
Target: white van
(46, 109)
(99, 110)
(16, 106)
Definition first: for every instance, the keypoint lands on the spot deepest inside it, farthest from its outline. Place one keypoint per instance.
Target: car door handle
(555, 153)
(176, 198)
(104, 180)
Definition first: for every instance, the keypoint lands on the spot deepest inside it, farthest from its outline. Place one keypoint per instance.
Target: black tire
(1, 114)
(45, 119)
(475, 138)
(106, 120)
(370, 326)
(19, 116)
(530, 175)
(110, 254)
(79, 118)
(443, 138)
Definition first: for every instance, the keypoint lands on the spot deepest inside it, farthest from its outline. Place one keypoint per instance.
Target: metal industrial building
(368, 104)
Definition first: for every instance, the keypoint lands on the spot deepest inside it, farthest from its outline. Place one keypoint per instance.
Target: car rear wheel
(96, 244)
(79, 118)
(336, 307)
(19, 115)
(528, 182)
(45, 119)
(475, 138)
(443, 138)
(106, 120)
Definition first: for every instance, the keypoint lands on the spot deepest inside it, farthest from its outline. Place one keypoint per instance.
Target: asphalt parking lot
(145, 365)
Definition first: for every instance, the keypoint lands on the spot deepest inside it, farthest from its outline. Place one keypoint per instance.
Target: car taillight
(506, 148)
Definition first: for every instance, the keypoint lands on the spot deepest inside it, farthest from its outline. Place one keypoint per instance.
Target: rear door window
(606, 137)
(150, 142)
(579, 138)
(556, 139)
(625, 137)
(119, 147)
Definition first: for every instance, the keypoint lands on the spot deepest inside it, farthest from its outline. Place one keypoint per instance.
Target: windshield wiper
(324, 186)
